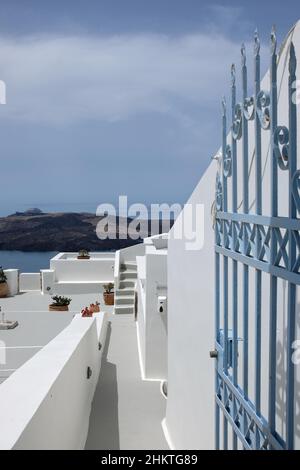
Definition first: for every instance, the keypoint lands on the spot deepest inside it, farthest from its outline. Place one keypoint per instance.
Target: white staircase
(124, 294)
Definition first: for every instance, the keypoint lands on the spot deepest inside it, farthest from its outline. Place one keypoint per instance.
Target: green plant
(3, 277)
(61, 301)
(108, 288)
(83, 253)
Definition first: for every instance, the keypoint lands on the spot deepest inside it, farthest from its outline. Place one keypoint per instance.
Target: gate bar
(273, 242)
(291, 325)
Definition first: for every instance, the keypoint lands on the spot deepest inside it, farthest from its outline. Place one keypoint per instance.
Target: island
(35, 230)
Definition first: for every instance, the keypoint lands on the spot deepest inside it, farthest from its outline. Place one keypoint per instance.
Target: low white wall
(156, 322)
(47, 276)
(29, 282)
(141, 310)
(151, 324)
(12, 276)
(98, 269)
(130, 253)
(48, 399)
(94, 255)
(159, 241)
(117, 269)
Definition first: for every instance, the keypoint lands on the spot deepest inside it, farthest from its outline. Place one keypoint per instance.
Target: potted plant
(83, 254)
(60, 304)
(95, 308)
(3, 283)
(108, 294)
(86, 312)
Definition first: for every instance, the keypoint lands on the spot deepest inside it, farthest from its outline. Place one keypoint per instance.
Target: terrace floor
(126, 412)
(37, 326)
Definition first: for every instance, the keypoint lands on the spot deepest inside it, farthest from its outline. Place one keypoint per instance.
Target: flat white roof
(37, 326)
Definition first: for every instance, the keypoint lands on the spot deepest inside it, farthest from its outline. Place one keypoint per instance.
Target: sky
(119, 97)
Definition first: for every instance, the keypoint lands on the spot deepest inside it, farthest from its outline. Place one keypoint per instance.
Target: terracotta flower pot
(58, 308)
(109, 299)
(3, 289)
(94, 308)
(83, 257)
(86, 312)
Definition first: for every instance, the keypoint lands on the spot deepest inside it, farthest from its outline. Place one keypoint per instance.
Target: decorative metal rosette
(219, 193)
(281, 146)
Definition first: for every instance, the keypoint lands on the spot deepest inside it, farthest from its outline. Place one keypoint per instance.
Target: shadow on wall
(104, 424)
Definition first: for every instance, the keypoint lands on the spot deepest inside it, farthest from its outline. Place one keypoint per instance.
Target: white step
(124, 299)
(128, 291)
(129, 265)
(130, 283)
(128, 271)
(125, 275)
(119, 309)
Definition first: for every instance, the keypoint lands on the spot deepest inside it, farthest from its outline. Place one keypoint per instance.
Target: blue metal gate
(263, 243)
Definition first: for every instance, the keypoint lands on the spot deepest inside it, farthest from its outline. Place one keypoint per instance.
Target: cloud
(60, 80)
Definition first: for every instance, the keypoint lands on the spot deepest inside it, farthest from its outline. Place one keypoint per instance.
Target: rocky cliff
(36, 231)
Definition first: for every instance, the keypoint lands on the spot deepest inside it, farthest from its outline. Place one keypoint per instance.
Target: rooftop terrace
(127, 411)
(37, 326)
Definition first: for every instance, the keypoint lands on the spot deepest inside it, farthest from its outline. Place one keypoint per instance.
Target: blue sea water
(31, 262)
(26, 262)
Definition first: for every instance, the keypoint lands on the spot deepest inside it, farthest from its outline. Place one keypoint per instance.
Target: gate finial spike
(292, 61)
(256, 42)
(243, 53)
(232, 74)
(273, 42)
(224, 105)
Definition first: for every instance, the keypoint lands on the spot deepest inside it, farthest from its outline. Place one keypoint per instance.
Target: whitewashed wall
(190, 407)
(48, 399)
(12, 276)
(151, 324)
(130, 253)
(29, 282)
(96, 269)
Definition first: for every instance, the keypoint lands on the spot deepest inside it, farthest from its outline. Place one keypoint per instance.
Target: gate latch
(213, 354)
(229, 346)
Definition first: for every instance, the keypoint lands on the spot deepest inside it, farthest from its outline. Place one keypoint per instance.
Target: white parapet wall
(117, 269)
(130, 253)
(48, 399)
(72, 275)
(151, 322)
(29, 282)
(47, 276)
(12, 276)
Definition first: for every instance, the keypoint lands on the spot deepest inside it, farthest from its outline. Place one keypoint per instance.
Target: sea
(31, 262)
(26, 262)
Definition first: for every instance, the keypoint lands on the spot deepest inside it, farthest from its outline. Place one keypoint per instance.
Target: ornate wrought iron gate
(264, 243)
